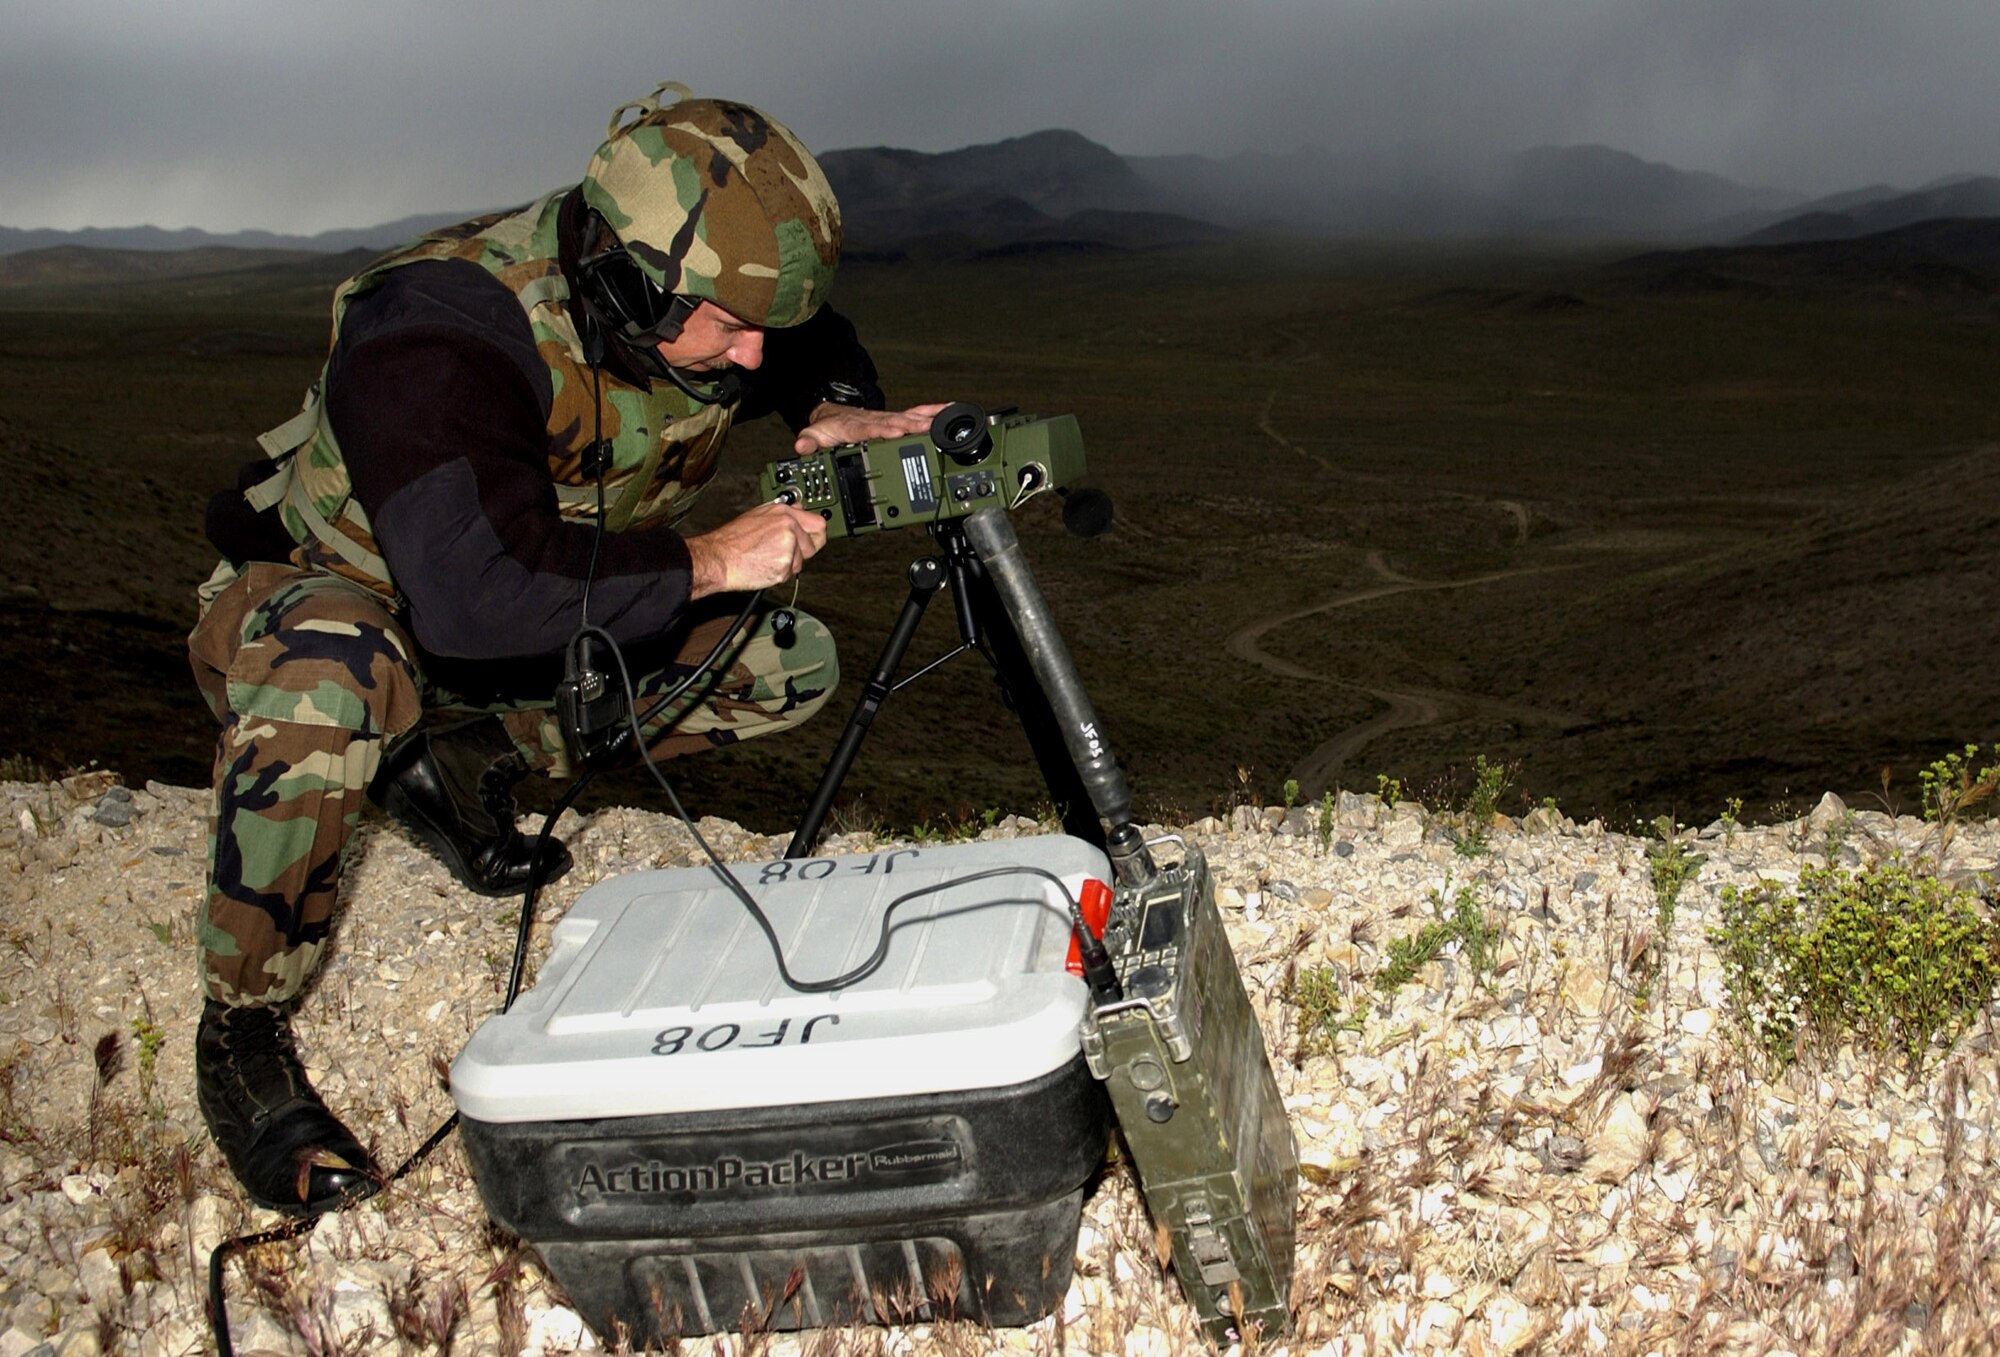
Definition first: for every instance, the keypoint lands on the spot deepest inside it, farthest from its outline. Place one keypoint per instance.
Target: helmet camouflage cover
(716, 201)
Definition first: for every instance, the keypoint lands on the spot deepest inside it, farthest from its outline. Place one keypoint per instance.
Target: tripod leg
(927, 576)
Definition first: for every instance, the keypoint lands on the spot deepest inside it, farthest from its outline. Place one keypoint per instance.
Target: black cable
(635, 721)
(598, 457)
(537, 862)
(632, 730)
(736, 887)
(218, 1307)
(217, 1260)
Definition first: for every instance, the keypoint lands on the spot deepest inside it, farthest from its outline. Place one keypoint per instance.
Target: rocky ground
(1556, 1146)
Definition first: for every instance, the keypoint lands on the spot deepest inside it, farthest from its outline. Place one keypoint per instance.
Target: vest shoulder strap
(361, 558)
(279, 444)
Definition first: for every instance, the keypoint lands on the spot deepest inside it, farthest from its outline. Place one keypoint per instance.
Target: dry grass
(1830, 1263)
(1600, 1181)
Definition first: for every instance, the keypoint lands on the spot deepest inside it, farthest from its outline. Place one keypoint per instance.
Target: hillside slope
(1522, 1156)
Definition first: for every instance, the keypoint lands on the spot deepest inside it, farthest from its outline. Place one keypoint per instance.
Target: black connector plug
(590, 702)
(1098, 972)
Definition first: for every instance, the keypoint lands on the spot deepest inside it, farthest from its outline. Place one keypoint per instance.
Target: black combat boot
(287, 1150)
(453, 787)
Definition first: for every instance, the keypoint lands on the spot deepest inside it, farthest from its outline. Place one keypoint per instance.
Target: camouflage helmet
(715, 201)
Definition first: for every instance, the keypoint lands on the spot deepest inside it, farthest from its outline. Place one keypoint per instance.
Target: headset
(620, 297)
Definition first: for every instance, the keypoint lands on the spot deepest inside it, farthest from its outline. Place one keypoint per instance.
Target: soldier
(505, 404)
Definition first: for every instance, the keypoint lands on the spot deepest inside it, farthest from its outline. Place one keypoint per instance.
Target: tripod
(984, 626)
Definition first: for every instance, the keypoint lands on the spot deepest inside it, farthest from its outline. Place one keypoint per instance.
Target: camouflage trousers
(312, 678)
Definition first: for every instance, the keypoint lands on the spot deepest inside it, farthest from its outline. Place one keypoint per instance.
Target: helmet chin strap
(600, 329)
(724, 389)
(610, 319)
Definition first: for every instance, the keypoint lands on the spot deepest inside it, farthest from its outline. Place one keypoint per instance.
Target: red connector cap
(1095, 902)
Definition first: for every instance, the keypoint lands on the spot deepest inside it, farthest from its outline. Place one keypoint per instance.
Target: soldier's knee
(326, 657)
(808, 664)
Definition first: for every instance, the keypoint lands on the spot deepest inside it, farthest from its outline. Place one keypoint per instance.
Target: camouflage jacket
(459, 481)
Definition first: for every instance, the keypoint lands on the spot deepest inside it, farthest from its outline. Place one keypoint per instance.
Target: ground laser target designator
(968, 461)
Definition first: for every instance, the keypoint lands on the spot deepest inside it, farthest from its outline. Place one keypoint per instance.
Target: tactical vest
(663, 443)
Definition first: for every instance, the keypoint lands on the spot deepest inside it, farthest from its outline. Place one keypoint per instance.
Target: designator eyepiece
(962, 433)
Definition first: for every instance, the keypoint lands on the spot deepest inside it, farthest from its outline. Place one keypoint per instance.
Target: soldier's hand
(765, 546)
(833, 425)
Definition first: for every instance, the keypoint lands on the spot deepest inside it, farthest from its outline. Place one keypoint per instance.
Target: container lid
(661, 995)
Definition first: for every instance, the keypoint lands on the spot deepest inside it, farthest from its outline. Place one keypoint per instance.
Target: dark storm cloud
(301, 117)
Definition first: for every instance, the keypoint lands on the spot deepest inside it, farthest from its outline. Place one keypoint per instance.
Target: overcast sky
(299, 117)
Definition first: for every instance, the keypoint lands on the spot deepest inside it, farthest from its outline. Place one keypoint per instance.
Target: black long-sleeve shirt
(440, 403)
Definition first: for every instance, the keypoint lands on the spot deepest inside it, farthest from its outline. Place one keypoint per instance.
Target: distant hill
(1430, 192)
(1056, 172)
(1931, 261)
(1870, 211)
(1596, 190)
(1574, 191)
(1414, 191)
(90, 264)
(1059, 187)
(384, 236)
(1027, 192)
(204, 270)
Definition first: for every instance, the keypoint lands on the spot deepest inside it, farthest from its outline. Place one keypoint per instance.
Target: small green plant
(1316, 997)
(1390, 789)
(1955, 783)
(968, 826)
(1672, 867)
(1951, 786)
(150, 1038)
(1291, 792)
(1325, 823)
(1410, 954)
(1462, 921)
(1489, 782)
(1886, 955)
(21, 768)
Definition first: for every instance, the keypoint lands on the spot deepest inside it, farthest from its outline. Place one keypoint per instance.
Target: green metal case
(1183, 1059)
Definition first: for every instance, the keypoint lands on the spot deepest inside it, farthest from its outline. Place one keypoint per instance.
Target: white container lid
(660, 995)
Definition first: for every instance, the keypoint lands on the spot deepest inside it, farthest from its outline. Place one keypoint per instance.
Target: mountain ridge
(1020, 189)
(1867, 212)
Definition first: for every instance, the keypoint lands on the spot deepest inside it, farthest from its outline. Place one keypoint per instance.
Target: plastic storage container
(690, 1143)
